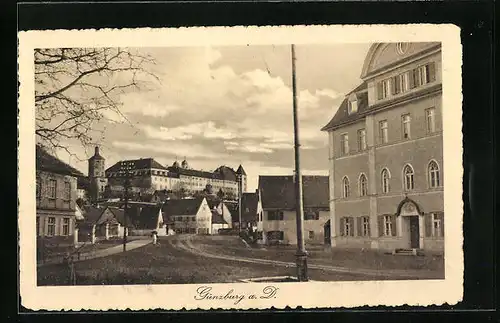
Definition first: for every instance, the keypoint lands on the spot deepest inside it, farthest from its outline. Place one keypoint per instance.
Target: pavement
(185, 243)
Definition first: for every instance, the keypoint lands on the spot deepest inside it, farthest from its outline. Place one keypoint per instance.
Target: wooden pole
(301, 250)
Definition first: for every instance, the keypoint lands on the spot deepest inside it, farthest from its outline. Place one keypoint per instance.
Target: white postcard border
(306, 295)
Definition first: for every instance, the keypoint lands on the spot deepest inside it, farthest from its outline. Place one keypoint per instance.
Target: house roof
(181, 207)
(49, 163)
(278, 192)
(249, 202)
(147, 218)
(190, 172)
(342, 116)
(92, 214)
(225, 173)
(217, 218)
(142, 163)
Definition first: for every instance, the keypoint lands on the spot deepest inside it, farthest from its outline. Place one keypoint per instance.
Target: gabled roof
(181, 207)
(278, 192)
(342, 116)
(190, 172)
(249, 202)
(48, 163)
(147, 218)
(217, 218)
(92, 214)
(142, 163)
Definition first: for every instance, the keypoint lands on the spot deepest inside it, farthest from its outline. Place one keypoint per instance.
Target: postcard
(240, 167)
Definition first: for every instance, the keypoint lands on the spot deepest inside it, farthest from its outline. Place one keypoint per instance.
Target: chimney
(96, 150)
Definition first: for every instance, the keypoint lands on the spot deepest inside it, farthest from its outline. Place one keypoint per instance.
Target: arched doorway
(411, 223)
(327, 233)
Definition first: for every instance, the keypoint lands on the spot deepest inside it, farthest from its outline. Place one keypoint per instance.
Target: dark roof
(148, 218)
(217, 218)
(278, 192)
(96, 155)
(249, 202)
(142, 163)
(92, 214)
(342, 116)
(225, 173)
(181, 207)
(213, 203)
(48, 163)
(118, 213)
(240, 170)
(190, 172)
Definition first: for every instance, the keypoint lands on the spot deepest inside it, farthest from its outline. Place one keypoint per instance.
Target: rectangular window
(311, 215)
(38, 188)
(311, 235)
(344, 144)
(430, 117)
(65, 228)
(436, 226)
(387, 225)
(365, 230)
(405, 119)
(396, 84)
(346, 227)
(384, 135)
(383, 89)
(275, 215)
(51, 226)
(37, 226)
(67, 191)
(361, 139)
(52, 188)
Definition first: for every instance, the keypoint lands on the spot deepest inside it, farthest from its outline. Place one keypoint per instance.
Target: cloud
(179, 149)
(205, 129)
(328, 93)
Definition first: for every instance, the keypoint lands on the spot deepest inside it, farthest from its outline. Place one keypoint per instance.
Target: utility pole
(239, 200)
(301, 250)
(126, 169)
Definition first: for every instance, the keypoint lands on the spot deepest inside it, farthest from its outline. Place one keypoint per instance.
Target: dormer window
(352, 107)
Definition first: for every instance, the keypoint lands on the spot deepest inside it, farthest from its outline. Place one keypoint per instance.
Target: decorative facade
(386, 152)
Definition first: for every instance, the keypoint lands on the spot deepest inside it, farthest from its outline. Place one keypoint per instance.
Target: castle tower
(242, 175)
(185, 164)
(97, 176)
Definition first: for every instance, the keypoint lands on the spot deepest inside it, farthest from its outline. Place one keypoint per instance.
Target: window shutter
(380, 225)
(428, 224)
(379, 90)
(369, 227)
(342, 228)
(359, 226)
(393, 85)
(394, 226)
(441, 216)
(432, 72)
(412, 78)
(351, 225)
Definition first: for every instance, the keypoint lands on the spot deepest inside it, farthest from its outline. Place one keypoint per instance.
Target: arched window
(433, 171)
(408, 176)
(386, 177)
(345, 187)
(363, 185)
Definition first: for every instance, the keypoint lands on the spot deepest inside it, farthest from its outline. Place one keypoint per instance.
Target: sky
(230, 106)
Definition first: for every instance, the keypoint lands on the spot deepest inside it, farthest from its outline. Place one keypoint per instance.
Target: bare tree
(74, 87)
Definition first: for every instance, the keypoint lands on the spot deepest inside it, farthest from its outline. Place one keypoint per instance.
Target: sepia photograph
(260, 164)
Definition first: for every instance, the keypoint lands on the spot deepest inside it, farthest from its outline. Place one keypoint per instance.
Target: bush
(228, 232)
